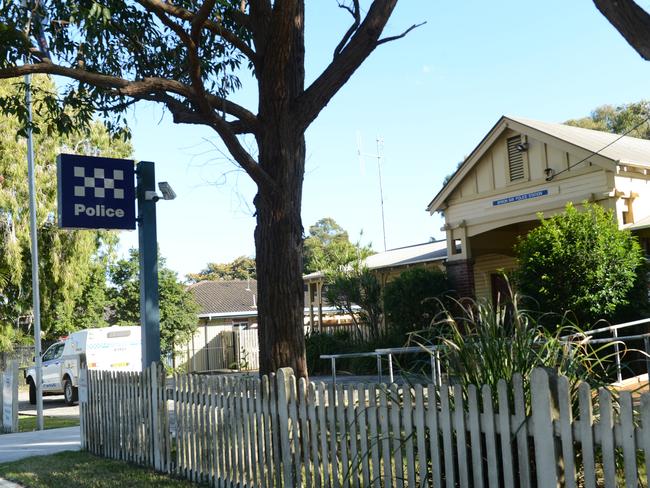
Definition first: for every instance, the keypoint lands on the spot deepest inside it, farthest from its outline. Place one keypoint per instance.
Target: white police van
(107, 348)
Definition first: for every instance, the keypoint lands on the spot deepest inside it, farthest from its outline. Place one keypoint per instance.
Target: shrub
(581, 262)
(411, 300)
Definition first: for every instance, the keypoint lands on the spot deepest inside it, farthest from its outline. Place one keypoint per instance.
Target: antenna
(380, 145)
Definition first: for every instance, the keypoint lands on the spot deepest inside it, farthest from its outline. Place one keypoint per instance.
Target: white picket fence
(279, 432)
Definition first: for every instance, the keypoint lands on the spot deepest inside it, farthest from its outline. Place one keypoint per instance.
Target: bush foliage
(411, 300)
(580, 262)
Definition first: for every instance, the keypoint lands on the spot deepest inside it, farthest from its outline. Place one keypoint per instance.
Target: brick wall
(461, 277)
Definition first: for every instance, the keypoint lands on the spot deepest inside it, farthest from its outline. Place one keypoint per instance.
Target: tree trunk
(278, 235)
(278, 243)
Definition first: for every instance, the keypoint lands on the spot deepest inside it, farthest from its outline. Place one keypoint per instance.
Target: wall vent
(515, 159)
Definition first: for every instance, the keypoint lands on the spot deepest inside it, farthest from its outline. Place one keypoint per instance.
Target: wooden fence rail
(281, 432)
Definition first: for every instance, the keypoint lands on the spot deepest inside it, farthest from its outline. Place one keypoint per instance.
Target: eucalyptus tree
(67, 258)
(189, 56)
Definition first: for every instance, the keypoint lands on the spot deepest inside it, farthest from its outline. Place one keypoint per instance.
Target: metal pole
(390, 368)
(36, 297)
(148, 243)
(381, 191)
(646, 342)
(333, 371)
(381, 379)
(619, 377)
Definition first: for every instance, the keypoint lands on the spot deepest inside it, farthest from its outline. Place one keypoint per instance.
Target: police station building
(522, 167)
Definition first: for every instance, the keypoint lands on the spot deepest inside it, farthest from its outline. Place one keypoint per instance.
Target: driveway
(53, 406)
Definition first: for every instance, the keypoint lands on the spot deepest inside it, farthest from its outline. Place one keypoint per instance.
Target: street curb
(9, 484)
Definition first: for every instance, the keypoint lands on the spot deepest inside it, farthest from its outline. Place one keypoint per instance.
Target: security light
(166, 190)
(522, 147)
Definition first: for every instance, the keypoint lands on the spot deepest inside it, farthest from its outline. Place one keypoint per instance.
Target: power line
(595, 153)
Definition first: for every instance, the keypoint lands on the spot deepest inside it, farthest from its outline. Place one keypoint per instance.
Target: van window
(54, 352)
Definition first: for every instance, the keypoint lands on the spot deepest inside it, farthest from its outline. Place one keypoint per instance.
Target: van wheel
(32, 392)
(70, 393)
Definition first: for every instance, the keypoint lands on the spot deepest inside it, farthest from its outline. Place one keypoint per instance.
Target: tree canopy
(580, 262)
(328, 248)
(72, 262)
(241, 268)
(630, 119)
(178, 309)
(190, 56)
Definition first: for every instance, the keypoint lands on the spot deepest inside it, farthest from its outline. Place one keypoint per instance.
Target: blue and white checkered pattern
(98, 185)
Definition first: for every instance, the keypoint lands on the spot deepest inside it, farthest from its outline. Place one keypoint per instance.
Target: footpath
(38, 443)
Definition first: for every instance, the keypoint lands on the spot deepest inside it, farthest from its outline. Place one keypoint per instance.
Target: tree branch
(631, 21)
(135, 89)
(214, 27)
(355, 11)
(363, 42)
(399, 36)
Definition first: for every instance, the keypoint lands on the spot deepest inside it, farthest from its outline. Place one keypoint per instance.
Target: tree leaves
(579, 262)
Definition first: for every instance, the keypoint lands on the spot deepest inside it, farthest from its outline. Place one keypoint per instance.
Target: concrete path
(38, 443)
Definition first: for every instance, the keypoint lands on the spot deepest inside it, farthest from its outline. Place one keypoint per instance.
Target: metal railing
(616, 339)
(433, 351)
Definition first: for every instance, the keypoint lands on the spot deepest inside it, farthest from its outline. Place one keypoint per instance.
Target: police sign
(95, 193)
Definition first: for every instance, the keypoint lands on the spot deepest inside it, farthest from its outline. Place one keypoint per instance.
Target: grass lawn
(81, 469)
(27, 423)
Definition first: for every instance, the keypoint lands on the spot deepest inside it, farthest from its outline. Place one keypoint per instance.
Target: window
(516, 159)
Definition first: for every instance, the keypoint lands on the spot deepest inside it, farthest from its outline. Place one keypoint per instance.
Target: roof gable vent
(515, 159)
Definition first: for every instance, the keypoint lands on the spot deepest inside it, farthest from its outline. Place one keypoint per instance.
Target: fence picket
(382, 414)
(645, 425)
(341, 429)
(283, 417)
(351, 421)
(490, 437)
(587, 435)
(420, 435)
(545, 456)
(606, 426)
(373, 427)
(434, 438)
(628, 439)
(396, 436)
(566, 432)
(461, 442)
(475, 436)
(322, 430)
(295, 431)
(313, 434)
(407, 422)
(521, 431)
(364, 446)
(447, 437)
(504, 434)
(305, 434)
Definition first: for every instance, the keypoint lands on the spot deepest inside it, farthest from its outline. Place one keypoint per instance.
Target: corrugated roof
(225, 297)
(419, 253)
(626, 150)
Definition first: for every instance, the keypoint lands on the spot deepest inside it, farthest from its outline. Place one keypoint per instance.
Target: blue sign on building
(519, 198)
(95, 193)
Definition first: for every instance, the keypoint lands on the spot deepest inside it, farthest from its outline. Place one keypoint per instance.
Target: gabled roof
(419, 253)
(608, 149)
(225, 298)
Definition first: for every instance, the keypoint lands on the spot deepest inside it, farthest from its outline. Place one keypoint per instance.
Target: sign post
(148, 243)
(100, 193)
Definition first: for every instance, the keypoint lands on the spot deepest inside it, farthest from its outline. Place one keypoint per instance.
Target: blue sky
(431, 96)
